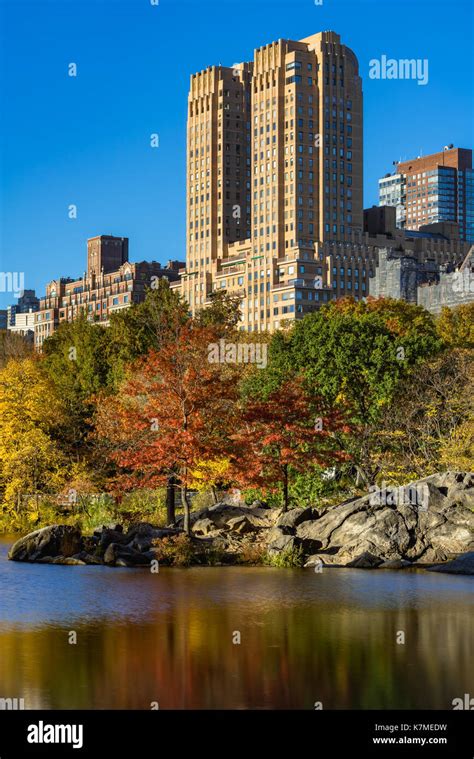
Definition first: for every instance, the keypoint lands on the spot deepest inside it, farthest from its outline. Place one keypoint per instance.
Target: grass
(292, 557)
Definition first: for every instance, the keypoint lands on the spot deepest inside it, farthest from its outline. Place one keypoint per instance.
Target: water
(168, 638)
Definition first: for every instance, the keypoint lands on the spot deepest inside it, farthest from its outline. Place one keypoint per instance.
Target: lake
(169, 638)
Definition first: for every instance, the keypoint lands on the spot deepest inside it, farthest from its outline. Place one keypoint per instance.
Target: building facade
(26, 303)
(426, 283)
(110, 283)
(392, 193)
(434, 188)
(274, 187)
(274, 175)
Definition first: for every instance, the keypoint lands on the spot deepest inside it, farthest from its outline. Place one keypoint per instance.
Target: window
(293, 65)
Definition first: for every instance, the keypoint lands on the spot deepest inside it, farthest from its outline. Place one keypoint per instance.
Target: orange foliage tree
(285, 433)
(175, 411)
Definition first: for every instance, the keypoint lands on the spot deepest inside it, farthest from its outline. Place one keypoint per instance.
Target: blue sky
(86, 140)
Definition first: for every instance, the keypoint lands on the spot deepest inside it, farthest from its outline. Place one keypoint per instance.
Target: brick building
(110, 283)
(433, 188)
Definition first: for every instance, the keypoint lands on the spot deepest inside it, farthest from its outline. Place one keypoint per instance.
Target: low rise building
(110, 283)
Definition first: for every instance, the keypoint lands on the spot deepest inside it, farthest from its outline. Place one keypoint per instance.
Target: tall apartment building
(110, 283)
(392, 193)
(274, 170)
(434, 188)
(274, 187)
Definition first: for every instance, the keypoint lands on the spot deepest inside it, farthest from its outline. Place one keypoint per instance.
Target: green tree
(222, 314)
(429, 424)
(356, 354)
(75, 358)
(149, 325)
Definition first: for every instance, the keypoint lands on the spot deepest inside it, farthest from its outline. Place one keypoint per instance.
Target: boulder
(222, 513)
(68, 561)
(395, 564)
(282, 543)
(140, 536)
(108, 536)
(462, 565)
(308, 545)
(88, 558)
(203, 526)
(294, 517)
(241, 525)
(326, 559)
(366, 560)
(128, 556)
(276, 532)
(53, 541)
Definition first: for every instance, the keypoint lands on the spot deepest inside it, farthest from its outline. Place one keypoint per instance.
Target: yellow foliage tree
(456, 326)
(456, 452)
(209, 474)
(31, 416)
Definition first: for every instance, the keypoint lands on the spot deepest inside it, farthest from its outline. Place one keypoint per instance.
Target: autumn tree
(13, 346)
(285, 433)
(174, 412)
(456, 326)
(356, 354)
(430, 422)
(145, 326)
(31, 420)
(211, 474)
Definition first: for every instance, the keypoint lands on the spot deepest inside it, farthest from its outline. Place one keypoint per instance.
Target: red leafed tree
(176, 410)
(288, 431)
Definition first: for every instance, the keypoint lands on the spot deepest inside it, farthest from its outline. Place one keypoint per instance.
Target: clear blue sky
(85, 140)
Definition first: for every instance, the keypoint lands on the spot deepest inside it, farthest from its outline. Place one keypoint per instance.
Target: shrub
(252, 554)
(175, 551)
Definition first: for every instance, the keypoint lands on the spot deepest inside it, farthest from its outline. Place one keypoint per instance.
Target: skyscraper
(274, 168)
(274, 185)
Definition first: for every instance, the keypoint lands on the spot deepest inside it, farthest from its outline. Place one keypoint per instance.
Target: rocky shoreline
(379, 530)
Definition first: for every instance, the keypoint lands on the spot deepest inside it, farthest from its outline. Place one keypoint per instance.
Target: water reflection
(305, 637)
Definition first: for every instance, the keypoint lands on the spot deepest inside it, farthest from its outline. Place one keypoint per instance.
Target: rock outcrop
(462, 565)
(428, 522)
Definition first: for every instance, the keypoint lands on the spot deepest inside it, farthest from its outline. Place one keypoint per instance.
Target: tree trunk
(170, 501)
(185, 505)
(214, 494)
